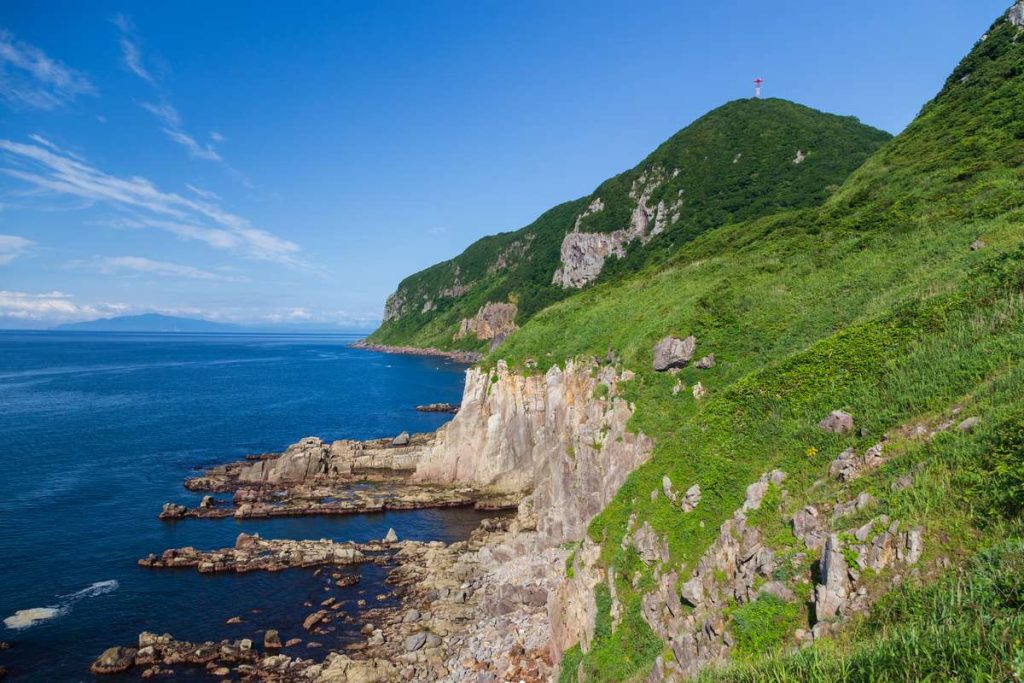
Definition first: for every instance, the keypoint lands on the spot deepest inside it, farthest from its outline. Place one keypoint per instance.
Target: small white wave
(26, 618)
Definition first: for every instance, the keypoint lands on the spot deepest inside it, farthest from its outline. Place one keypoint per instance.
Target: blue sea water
(98, 430)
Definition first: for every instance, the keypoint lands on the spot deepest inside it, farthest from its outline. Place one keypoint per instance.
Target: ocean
(98, 430)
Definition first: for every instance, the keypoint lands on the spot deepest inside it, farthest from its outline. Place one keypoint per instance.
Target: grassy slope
(718, 189)
(873, 303)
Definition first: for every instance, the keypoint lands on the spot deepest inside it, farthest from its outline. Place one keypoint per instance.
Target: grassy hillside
(874, 303)
(735, 163)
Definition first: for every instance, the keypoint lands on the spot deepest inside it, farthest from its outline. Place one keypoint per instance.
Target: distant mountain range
(155, 322)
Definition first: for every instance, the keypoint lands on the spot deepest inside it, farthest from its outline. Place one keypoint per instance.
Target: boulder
(206, 503)
(391, 536)
(271, 639)
(977, 245)
(672, 352)
(969, 424)
(692, 498)
(114, 660)
(173, 511)
(313, 619)
(410, 617)
(401, 440)
(415, 641)
(706, 363)
(837, 422)
(699, 391)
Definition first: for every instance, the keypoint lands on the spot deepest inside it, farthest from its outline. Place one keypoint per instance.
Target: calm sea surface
(98, 430)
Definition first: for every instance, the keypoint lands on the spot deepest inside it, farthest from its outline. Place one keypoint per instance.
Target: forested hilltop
(747, 159)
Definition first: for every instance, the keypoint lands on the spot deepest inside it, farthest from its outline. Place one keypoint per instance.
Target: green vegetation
(734, 164)
(967, 627)
(764, 624)
(873, 302)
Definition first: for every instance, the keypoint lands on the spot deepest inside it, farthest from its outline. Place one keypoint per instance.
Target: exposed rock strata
(494, 320)
(252, 553)
(583, 254)
(545, 434)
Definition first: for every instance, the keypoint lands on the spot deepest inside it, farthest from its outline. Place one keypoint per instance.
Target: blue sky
(292, 162)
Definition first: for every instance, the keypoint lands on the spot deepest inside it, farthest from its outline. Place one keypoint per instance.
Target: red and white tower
(757, 88)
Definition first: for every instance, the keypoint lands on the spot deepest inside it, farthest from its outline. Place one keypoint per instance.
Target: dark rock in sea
(173, 511)
(114, 660)
(271, 639)
(438, 408)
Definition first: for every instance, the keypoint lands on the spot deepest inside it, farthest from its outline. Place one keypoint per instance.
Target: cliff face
(560, 436)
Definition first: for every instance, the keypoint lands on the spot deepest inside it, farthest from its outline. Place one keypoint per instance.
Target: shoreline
(464, 357)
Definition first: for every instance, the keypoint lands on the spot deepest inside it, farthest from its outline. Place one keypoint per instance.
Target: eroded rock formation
(494, 320)
(545, 434)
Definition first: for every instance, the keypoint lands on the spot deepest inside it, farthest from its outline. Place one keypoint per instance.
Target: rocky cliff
(560, 437)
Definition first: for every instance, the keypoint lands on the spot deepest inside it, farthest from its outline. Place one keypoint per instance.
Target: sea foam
(26, 618)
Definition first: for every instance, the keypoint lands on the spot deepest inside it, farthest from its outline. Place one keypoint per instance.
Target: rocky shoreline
(466, 357)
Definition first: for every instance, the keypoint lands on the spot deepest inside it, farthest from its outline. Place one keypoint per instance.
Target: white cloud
(165, 112)
(205, 194)
(51, 306)
(114, 265)
(131, 53)
(48, 168)
(11, 247)
(29, 78)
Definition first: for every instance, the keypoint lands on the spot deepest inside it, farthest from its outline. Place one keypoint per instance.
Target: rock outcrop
(583, 254)
(494, 320)
(545, 434)
(672, 352)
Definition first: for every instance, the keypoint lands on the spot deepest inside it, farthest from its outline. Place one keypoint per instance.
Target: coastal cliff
(561, 436)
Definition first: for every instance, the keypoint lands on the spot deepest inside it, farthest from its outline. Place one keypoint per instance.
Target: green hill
(899, 300)
(747, 159)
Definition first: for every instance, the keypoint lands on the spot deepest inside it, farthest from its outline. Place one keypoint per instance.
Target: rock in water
(391, 536)
(837, 422)
(114, 660)
(173, 511)
(672, 352)
(271, 639)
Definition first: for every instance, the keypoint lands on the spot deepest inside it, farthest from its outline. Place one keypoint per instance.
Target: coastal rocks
(542, 433)
(173, 511)
(466, 357)
(837, 422)
(114, 660)
(391, 536)
(438, 408)
(253, 553)
(672, 352)
(492, 321)
(314, 619)
(401, 440)
(341, 669)
(272, 640)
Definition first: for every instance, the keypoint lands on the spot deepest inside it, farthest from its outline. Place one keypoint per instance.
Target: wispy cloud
(205, 194)
(116, 265)
(51, 306)
(29, 78)
(48, 168)
(131, 53)
(11, 247)
(165, 112)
